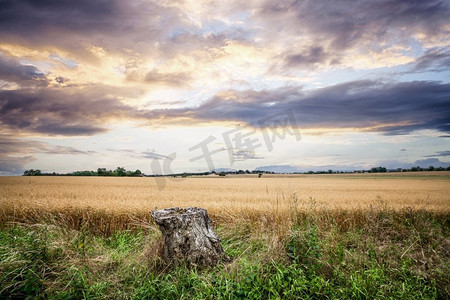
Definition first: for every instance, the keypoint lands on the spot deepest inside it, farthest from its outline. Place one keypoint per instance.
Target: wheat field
(228, 196)
(382, 234)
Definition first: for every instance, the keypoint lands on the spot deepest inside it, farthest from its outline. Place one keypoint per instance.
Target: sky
(191, 86)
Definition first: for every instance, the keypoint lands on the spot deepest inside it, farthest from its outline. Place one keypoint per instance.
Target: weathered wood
(188, 237)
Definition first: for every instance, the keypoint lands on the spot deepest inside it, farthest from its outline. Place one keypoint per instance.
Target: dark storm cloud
(27, 16)
(74, 25)
(43, 22)
(164, 30)
(13, 71)
(389, 108)
(435, 59)
(439, 153)
(314, 55)
(333, 27)
(346, 22)
(55, 112)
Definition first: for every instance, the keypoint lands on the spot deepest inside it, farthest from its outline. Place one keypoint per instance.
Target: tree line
(118, 172)
(122, 172)
(380, 170)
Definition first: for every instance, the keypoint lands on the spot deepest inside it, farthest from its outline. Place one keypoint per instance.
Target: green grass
(379, 254)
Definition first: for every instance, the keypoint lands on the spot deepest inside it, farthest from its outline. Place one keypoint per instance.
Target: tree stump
(188, 237)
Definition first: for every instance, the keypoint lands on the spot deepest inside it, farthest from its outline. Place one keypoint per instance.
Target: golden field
(346, 232)
(228, 196)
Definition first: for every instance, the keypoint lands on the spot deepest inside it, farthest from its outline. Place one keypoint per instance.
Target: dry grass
(118, 203)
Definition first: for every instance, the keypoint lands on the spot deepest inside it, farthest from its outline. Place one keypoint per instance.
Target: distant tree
(378, 170)
(222, 174)
(84, 173)
(101, 172)
(330, 171)
(137, 173)
(32, 172)
(259, 175)
(120, 171)
(431, 168)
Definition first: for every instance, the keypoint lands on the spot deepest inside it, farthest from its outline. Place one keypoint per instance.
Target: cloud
(174, 39)
(435, 162)
(75, 25)
(436, 59)
(46, 22)
(83, 15)
(60, 112)
(77, 68)
(279, 169)
(439, 153)
(311, 57)
(24, 75)
(171, 79)
(14, 165)
(197, 41)
(145, 154)
(16, 153)
(302, 33)
(64, 150)
(344, 24)
(391, 108)
(11, 145)
(358, 34)
(154, 155)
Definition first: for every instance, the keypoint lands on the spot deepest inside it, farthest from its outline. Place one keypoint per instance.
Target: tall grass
(305, 253)
(93, 238)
